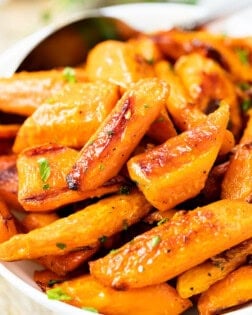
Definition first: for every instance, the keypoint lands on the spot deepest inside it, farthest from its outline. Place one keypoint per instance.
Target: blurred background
(19, 18)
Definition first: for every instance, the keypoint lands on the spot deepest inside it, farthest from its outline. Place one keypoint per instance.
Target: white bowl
(145, 17)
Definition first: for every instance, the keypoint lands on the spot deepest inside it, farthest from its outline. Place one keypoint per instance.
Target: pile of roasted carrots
(130, 175)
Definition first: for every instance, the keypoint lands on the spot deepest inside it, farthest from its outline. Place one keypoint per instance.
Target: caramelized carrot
(175, 246)
(88, 293)
(81, 229)
(24, 92)
(116, 138)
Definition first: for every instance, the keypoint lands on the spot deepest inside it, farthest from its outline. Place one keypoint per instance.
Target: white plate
(145, 17)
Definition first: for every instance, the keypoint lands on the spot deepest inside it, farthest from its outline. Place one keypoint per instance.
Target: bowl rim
(124, 12)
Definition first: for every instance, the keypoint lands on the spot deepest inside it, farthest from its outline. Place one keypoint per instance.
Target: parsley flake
(246, 105)
(243, 55)
(46, 186)
(44, 169)
(155, 241)
(113, 251)
(162, 221)
(125, 225)
(110, 133)
(69, 75)
(58, 294)
(90, 309)
(101, 167)
(244, 86)
(102, 239)
(159, 119)
(90, 142)
(149, 61)
(124, 190)
(61, 245)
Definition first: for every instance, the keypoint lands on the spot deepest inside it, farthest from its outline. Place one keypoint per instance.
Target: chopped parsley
(102, 239)
(58, 294)
(110, 133)
(124, 190)
(61, 245)
(149, 61)
(159, 119)
(44, 172)
(125, 225)
(101, 167)
(155, 241)
(246, 105)
(218, 264)
(162, 221)
(90, 309)
(244, 86)
(69, 75)
(46, 186)
(90, 142)
(113, 251)
(243, 55)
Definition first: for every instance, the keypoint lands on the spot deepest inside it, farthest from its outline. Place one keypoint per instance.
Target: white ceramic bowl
(145, 17)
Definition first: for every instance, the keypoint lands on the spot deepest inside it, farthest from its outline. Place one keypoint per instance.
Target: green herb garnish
(159, 119)
(90, 142)
(155, 241)
(110, 133)
(162, 221)
(113, 251)
(69, 75)
(46, 186)
(149, 61)
(44, 169)
(61, 245)
(124, 190)
(125, 225)
(102, 239)
(58, 294)
(243, 55)
(244, 86)
(246, 105)
(101, 167)
(90, 309)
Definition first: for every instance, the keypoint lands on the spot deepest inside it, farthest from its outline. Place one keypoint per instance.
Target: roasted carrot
(7, 223)
(110, 147)
(70, 117)
(81, 229)
(38, 193)
(87, 293)
(24, 92)
(164, 174)
(235, 289)
(122, 63)
(199, 278)
(9, 181)
(175, 246)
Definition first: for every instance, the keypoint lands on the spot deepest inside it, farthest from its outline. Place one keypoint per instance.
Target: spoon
(67, 43)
